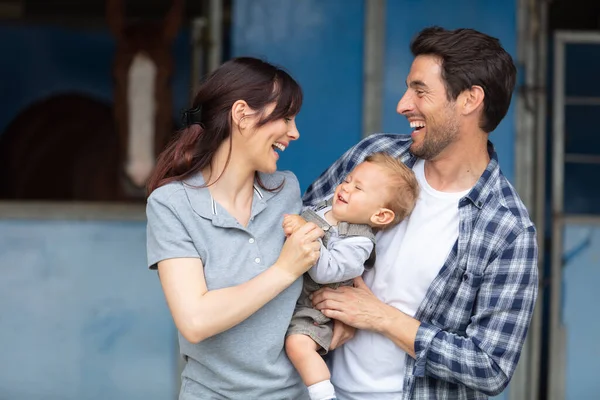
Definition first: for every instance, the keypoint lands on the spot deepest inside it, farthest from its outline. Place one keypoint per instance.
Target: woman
(215, 234)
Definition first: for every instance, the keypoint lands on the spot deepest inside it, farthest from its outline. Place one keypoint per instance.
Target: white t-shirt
(409, 257)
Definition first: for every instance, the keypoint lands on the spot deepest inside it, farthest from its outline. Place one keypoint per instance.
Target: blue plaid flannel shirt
(476, 313)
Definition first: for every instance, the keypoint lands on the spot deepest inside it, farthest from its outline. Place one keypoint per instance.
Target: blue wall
(82, 316)
(321, 44)
(581, 276)
(404, 19)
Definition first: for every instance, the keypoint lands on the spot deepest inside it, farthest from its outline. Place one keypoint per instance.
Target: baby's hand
(291, 223)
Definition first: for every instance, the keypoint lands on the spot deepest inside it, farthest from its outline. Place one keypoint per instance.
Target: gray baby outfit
(306, 319)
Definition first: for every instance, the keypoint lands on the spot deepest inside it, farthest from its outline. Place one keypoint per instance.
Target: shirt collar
(480, 193)
(204, 205)
(484, 186)
(200, 199)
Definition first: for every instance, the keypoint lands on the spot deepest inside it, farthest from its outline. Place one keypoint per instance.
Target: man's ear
(383, 217)
(471, 99)
(239, 113)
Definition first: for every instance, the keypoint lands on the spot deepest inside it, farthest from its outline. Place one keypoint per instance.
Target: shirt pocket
(456, 308)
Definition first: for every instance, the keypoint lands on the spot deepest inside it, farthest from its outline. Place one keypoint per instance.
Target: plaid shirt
(476, 313)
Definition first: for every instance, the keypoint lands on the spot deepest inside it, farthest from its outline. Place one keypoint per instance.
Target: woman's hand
(300, 250)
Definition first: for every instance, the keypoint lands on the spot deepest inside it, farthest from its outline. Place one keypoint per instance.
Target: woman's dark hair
(256, 82)
(472, 58)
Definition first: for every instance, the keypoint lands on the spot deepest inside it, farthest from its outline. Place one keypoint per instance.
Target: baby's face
(362, 194)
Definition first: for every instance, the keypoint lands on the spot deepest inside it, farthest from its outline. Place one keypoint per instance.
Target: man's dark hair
(471, 58)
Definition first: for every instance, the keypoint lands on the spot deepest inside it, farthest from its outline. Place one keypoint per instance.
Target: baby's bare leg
(302, 352)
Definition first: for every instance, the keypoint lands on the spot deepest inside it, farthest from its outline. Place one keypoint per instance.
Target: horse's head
(142, 94)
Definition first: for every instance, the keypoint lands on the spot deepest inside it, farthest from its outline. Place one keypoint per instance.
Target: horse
(72, 147)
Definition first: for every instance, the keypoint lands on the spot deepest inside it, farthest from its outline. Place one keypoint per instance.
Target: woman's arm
(199, 313)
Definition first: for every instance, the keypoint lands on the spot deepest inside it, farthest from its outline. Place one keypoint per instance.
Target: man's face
(425, 104)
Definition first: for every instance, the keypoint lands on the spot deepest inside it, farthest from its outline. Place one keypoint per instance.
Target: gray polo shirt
(247, 361)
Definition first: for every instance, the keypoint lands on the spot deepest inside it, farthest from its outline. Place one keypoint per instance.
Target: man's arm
(486, 357)
(358, 307)
(342, 259)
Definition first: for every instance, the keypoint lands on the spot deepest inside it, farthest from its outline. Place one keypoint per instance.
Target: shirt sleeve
(485, 359)
(166, 235)
(343, 259)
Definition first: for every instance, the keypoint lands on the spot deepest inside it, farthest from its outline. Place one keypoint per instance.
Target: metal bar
(582, 219)
(582, 158)
(557, 373)
(373, 61)
(525, 107)
(215, 26)
(197, 68)
(582, 101)
(539, 216)
(556, 381)
(577, 37)
(80, 211)
(520, 387)
(558, 127)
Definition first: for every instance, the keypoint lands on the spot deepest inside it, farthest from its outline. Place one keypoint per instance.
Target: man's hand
(355, 306)
(341, 334)
(358, 307)
(291, 223)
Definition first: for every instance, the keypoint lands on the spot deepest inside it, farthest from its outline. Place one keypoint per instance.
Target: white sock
(321, 391)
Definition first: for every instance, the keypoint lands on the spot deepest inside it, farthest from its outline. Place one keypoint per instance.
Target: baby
(378, 194)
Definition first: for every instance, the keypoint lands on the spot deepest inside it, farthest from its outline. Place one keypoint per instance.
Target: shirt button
(251, 240)
(257, 260)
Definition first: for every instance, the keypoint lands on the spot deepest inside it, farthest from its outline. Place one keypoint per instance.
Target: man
(445, 311)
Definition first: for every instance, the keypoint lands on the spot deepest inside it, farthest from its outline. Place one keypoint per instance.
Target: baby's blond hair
(403, 188)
